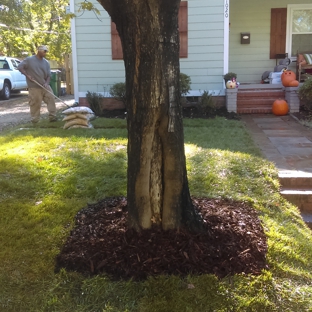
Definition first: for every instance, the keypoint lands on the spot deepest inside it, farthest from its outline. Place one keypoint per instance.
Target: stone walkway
(282, 140)
(288, 144)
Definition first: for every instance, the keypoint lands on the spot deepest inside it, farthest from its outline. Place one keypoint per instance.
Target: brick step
(260, 94)
(255, 104)
(253, 101)
(255, 110)
(301, 197)
(256, 100)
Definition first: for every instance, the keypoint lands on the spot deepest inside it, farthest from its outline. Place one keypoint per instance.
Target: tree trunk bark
(158, 191)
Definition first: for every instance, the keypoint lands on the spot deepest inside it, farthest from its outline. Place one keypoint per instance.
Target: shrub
(229, 76)
(207, 104)
(95, 101)
(305, 93)
(118, 91)
(185, 84)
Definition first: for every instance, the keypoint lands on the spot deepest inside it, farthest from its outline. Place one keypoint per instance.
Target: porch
(258, 98)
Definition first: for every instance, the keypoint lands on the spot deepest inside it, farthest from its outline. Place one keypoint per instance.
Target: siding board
(204, 62)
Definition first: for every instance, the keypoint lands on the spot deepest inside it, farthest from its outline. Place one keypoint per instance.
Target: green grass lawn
(48, 174)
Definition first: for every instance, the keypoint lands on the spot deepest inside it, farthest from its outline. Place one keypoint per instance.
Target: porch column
(231, 100)
(226, 36)
(292, 98)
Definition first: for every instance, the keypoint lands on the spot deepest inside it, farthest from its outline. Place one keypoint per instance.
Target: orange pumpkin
(287, 76)
(294, 83)
(280, 107)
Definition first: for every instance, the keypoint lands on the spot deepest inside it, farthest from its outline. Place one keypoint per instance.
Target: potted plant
(229, 76)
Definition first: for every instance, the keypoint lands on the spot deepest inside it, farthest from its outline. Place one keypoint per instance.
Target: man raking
(37, 71)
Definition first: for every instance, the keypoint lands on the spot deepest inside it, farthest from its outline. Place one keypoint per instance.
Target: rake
(50, 92)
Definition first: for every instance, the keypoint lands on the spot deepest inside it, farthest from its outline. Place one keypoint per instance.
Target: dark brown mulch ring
(233, 242)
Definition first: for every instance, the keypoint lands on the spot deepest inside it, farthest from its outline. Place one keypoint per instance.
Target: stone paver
(283, 141)
(282, 133)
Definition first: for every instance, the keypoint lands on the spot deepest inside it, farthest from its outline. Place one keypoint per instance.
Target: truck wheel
(6, 91)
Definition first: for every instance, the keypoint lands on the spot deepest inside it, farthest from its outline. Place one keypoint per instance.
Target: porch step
(296, 187)
(301, 197)
(294, 179)
(253, 100)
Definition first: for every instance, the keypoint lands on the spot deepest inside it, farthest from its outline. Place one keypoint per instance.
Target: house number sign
(226, 6)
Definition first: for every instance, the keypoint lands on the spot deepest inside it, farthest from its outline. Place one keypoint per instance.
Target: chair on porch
(304, 65)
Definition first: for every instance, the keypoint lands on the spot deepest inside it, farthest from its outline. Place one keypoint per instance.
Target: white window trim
(290, 9)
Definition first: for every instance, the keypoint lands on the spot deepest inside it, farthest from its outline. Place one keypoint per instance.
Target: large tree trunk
(158, 190)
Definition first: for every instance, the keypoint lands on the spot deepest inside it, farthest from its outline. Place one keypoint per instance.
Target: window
(15, 63)
(4, 64)
(183, 30)
(299, 28)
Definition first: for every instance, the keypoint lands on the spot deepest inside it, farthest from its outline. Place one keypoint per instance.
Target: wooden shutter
(183, 30)
(116, 43)
(278, 32)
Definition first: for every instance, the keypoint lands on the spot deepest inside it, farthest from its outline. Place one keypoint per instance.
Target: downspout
(226, 36)
(74, 51)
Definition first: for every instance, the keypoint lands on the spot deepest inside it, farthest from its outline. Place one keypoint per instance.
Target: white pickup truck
(11, 80)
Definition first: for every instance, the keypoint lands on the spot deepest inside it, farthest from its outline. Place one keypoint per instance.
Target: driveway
(16, 110)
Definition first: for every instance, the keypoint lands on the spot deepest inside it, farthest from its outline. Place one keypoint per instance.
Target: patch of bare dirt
(233, 241)
(16, 110)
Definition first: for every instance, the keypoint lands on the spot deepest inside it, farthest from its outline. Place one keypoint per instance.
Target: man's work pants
(36, 96)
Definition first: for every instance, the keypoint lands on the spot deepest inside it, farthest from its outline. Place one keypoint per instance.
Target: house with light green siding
(275, 27)
(243, 36)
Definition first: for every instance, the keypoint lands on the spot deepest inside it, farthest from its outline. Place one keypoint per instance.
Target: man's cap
(43, 47)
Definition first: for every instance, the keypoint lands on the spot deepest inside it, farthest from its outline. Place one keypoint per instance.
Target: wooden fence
(68, 60)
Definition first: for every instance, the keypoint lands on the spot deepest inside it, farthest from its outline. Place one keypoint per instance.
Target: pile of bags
(78, 117)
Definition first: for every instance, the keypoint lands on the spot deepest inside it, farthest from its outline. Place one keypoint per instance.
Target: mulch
(304, 114)
(233, 241)
(193, 111)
